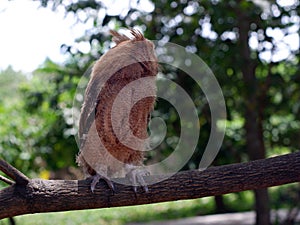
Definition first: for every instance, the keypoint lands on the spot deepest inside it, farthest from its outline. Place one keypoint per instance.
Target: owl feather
(108, 138)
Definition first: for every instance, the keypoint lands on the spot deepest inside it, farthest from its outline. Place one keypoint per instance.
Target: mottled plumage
(107, 148)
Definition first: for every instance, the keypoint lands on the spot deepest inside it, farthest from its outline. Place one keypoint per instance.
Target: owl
(118, 100)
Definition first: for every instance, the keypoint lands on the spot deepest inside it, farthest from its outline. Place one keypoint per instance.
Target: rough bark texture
(62, 195)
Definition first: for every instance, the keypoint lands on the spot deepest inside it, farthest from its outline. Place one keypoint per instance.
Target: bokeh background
(252, 47)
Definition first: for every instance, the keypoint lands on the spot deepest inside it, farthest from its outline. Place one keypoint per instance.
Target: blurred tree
(242, 41)
(17, 130)
(50, 97)
(10, 81)
(36, 118)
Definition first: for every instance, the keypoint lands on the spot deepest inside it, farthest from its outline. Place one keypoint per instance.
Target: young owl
(117, 104)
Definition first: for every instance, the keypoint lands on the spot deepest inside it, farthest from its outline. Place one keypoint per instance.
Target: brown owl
(117, 104)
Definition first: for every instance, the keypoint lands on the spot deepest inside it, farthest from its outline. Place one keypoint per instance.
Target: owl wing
(91, 99)
(88, 110)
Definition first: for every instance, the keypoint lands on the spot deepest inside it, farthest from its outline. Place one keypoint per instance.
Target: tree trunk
(220, 205)
(253, 124)
(256, 150)
(262, 206)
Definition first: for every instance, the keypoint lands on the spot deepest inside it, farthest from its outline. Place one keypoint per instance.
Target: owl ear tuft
(118, 38)
(138, 36)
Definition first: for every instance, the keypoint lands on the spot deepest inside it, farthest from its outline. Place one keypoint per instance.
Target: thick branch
(13, 173)
(62, 195)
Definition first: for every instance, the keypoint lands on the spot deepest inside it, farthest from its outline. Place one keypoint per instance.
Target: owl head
(136, 48)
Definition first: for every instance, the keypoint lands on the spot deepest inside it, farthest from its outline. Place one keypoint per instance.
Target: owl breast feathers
(117, 104)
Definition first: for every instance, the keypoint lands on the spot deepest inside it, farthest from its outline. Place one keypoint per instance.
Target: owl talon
(96, 179)
(135, 176)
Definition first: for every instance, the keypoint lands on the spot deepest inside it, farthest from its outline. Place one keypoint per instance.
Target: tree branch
(62, 195)
(8, 181)
(13, 173)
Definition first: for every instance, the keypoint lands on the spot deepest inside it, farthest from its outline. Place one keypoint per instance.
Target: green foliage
(35, 114)
(50, 97)
(18, 129)
(9, 83)
(211, 30)
(220, 32)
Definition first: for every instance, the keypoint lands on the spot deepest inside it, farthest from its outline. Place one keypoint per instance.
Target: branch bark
(4, 179)
(62, 195)
(13, 173)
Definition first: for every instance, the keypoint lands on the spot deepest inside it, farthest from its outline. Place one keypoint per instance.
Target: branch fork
(17, 176)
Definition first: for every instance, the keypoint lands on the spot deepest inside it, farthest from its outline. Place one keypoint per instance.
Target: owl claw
(135, 176)
(95, 180)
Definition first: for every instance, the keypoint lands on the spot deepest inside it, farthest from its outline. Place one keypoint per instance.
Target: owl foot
(135, 176)
(95, 180)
